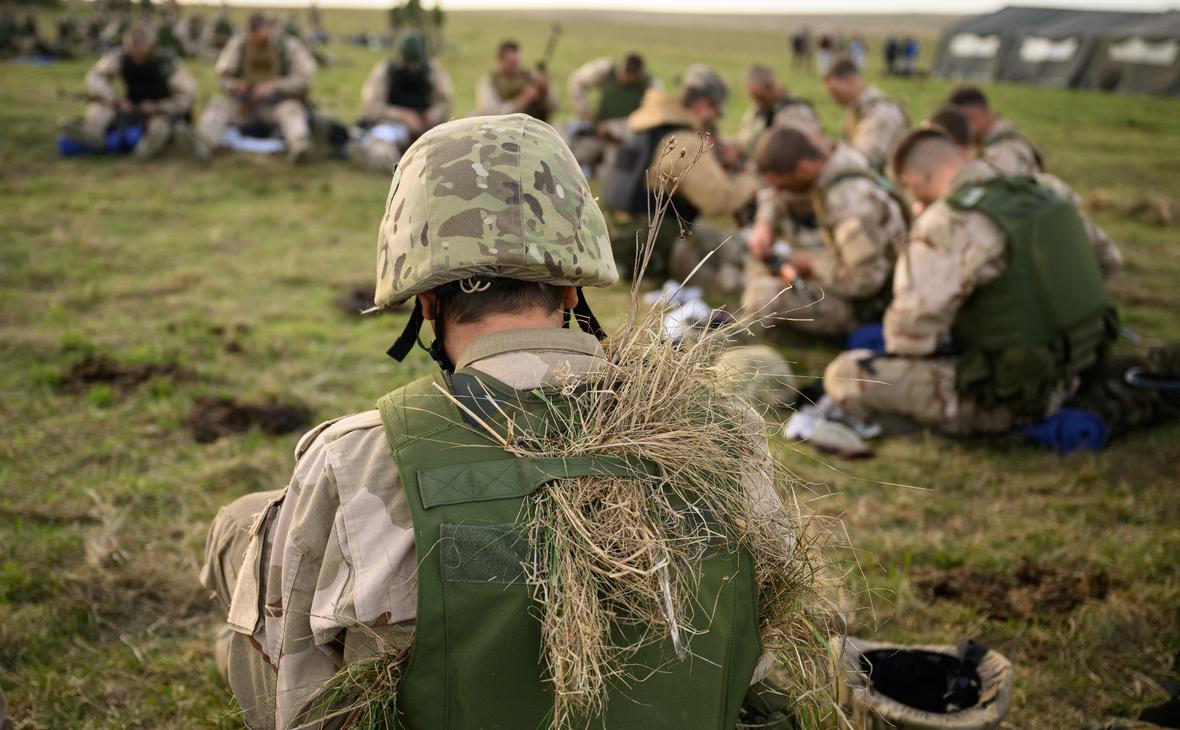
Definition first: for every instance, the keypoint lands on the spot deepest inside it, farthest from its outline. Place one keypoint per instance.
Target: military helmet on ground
(490, 197)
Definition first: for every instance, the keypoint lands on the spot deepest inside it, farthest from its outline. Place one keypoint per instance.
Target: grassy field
(131, 296)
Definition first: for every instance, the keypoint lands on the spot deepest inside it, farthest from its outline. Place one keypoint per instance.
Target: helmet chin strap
(412, 334)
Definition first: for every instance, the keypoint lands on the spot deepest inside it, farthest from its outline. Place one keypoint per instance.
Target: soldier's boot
(156, 135)
(79, 132)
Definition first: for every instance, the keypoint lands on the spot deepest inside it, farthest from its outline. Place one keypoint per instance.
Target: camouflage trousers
(921, 389)
(157, 131)
(222, 111)
(767, 296)
(240, 664)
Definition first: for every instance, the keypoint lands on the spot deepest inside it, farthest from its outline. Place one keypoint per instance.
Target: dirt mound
(357, 299)
(1154, 208)
(213, 417)
(95, 369)
(1031, 591)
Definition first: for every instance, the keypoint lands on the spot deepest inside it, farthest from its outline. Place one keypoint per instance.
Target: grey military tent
(1111, 50)
(1141, 57)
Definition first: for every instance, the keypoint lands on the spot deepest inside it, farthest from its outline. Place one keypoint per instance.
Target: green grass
(231, 270)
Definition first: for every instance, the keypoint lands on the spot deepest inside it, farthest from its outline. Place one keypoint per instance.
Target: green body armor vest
(477, 659)
(269, 64)
(869, 308)
(1045, 319)
(618, 100)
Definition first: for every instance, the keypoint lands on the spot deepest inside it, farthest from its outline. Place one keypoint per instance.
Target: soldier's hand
(761, 240)
(729, 154)
(802, 262)
(265, 90)
(413, 120)
(238, 87)
(526, 98)
(149, 108)
(125, 106)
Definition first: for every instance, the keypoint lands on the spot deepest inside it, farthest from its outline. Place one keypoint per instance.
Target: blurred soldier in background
(873, 124)
(665, 125)
(511, 88)
(159, 94)
(998, 303)
(217, 33)
(599, 128)
(771, 106)
(402, 98)
(996, 139)
(265, 79)
(863, 226)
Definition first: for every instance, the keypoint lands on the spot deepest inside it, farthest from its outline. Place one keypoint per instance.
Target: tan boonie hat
(490, 197)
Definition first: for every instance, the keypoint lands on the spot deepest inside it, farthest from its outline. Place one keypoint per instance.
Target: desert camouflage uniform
(800, 116)
(1011, 153)
(590, 149)
(708, 187)
(874, 124)
(772, 206)
(863, 230)
(488, 101)
(289, 112)
(949, 255)
(384, 154)
(101, 111)
(324, 571)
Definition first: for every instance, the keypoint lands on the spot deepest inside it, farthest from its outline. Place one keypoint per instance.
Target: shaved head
(926, 162)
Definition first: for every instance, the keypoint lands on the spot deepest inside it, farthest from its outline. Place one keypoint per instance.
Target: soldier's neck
(457, 337)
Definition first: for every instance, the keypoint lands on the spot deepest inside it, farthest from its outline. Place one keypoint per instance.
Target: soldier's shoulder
(337, 429)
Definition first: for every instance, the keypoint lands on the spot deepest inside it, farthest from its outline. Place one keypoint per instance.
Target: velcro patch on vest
(482, 553)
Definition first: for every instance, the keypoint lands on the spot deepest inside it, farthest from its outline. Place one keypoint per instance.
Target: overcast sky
(758, 6)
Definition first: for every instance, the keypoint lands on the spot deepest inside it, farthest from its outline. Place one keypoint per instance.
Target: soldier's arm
(1110, 258)
(801, 117)
(943, 263)
(874, 136)
(373, 106)
(552, 101)
(184, 91)
(100, 79)
(588, 76)
(488, 102)
(442, 98)
(707, 185)
(860, 224)
(300, 71)
(227, 65)
(1011, 157)
(770, 206)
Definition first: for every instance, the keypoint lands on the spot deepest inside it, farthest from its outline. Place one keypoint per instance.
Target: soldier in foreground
(998, 302)
(863, 227)
(378, 541)
(511, 88)
(265, 79)
(621, 86)
(996, 138)
(873, 123)
(158, 94)
(402, 98)
(665, 125)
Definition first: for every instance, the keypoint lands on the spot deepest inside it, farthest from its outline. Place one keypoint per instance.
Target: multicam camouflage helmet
(490, 197)
(705, 81)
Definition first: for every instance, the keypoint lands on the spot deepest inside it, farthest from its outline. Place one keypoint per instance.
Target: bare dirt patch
(1030, 591)
(94, 369)
(213, 417)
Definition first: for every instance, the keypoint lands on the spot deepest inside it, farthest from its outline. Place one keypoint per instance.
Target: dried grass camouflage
(490, 196)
